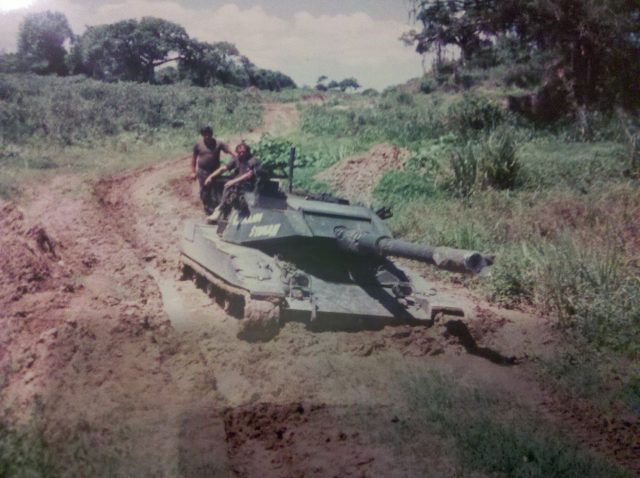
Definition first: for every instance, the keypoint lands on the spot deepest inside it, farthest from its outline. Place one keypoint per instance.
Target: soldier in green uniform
(206, 160)
(246, 169)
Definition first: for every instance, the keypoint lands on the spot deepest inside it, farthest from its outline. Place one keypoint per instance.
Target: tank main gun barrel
(446, 258)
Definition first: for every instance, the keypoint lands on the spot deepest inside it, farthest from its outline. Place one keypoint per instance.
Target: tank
(317, 259)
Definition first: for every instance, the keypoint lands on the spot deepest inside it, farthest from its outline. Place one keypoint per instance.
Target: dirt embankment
(356, 176)
(143, 374)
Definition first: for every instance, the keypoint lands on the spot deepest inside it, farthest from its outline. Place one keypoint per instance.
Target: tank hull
(339, 293)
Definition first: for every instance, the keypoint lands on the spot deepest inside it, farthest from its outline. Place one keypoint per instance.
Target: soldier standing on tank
(246, 169)
(206, 160)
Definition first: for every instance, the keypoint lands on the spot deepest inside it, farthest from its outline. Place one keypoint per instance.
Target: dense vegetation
(132, 50)
(51, 124)
(589, 49)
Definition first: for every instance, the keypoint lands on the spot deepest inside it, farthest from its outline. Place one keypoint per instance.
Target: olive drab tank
(316, 259)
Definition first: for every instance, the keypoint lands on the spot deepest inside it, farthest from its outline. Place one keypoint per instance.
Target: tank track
(261, 316)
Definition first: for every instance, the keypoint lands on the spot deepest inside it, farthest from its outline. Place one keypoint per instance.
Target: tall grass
(396, 118)
(77, 110)
(50, 125)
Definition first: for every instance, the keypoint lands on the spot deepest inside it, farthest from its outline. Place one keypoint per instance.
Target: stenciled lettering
(269, 230)
(253, 219)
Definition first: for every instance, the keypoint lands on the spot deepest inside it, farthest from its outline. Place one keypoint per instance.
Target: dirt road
(136, 373)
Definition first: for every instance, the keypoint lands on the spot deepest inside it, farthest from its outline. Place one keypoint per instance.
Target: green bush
(24, 453)
(464, 166)
(522, 76)
(428, 85)
(550, 162)
(274, 154)
(500, 163)
(490, 162)
(473, 114)
(441, 222)
(397, 117)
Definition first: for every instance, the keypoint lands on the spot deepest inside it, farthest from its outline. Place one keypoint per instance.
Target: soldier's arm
(216, 173)
(225, 147)
(239, 179)
(194, 159)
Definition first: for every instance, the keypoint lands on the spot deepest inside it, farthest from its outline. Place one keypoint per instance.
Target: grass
(24, 454)
(51, 125)
(492, 436)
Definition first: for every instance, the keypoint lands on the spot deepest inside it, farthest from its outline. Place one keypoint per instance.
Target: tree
(130, 50)
(591, 40)
(206, 64)
(41, 39)
(446, 23)
(9, 63)
(348, 83)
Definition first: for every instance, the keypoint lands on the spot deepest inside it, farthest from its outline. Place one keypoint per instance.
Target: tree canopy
(342, 85)
(41, 40)
(597, 42)
(132, 50)
(129, 50)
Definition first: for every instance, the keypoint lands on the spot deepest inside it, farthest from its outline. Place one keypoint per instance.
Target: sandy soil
(356, 177)
(144, 373)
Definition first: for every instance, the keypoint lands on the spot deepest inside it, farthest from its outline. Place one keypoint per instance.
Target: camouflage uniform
(233, 197)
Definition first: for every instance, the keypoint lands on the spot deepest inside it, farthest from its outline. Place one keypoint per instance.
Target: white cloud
(304, 46)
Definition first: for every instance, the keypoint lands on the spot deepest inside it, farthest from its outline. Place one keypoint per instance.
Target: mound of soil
(357, 176)
(28, 256)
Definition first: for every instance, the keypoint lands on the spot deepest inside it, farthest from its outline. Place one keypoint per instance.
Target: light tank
(317, 259)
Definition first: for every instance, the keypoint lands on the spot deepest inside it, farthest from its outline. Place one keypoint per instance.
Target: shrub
(75, 110)
(397, 117)
(500, 164)
(490, 162)
(428, 85)
(550, 162)
(274, 154)
(24, 453)
(464, 165)
(473, 114)
(523, 75)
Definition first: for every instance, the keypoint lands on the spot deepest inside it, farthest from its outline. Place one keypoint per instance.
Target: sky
(302, 38)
